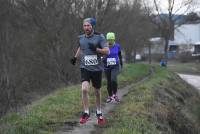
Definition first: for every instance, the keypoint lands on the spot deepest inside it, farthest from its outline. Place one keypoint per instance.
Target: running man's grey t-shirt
(91, 60)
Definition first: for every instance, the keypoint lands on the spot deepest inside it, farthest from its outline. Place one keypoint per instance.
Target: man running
(111, 67)
(92, 46)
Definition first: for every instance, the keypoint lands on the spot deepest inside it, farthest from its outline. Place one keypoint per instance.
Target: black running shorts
(94, 76)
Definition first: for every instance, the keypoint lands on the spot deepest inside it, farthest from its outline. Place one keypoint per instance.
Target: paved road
(193, 80)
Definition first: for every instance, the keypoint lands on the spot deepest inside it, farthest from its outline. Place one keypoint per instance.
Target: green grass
(64, 105)
(133, 72)
(53, 109)
(131, 117)
(145, 110)
(149, 107)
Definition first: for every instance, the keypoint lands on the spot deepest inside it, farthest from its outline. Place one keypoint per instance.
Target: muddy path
(89, 127)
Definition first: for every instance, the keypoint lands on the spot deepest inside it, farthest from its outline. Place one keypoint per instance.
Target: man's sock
(99, 111)
(86, 111)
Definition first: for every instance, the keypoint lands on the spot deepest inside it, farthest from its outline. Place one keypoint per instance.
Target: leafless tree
(37, 38)
(134, 28)
(164, 17)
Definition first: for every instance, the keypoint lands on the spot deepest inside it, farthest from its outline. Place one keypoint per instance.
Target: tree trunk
(166, 50)
(149, 44)
(134, 55)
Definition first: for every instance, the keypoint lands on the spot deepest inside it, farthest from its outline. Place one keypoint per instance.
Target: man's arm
(103, 51)
(102, 47)
(77, 52)
(73, 60)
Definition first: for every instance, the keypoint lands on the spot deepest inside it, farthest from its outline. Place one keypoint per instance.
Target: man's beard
(88, 32)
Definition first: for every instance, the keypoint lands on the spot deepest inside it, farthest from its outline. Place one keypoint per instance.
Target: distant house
(158, 42)
(187, 34)
(186, 38)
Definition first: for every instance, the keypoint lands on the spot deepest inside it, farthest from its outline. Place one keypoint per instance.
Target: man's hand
(73, 60)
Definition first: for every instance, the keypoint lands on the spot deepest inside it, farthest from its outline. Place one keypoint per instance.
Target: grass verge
(161, 104)
(62, 107)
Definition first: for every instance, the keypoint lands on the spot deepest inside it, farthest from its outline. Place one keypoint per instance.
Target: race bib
(91, 60)
(111, 61)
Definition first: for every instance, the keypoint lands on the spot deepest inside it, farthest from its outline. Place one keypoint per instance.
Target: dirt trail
(89, 127)
(193, 80)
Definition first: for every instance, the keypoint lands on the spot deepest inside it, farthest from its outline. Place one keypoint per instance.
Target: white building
(187, 38)
(187, 34)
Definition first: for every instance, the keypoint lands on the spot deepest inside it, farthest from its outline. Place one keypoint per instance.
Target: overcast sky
(178, 6)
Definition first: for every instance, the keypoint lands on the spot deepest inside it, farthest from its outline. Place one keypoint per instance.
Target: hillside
(164, 104)
(160, 104)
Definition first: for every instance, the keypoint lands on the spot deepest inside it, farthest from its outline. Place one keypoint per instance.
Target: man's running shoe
(109, 99)
(84, 118)
(101, 120)
(115, 97)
